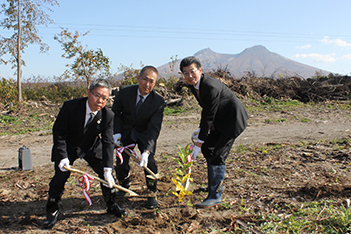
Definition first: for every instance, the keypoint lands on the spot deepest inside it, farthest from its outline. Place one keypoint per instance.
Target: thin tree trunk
(19, 73)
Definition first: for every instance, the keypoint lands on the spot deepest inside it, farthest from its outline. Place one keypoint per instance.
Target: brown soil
(260, 180)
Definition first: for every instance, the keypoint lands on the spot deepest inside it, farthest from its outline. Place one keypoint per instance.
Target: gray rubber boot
(215, 186)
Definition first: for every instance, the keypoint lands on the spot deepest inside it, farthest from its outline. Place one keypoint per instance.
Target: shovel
(188, 185)
(152, 174)
(131, 193)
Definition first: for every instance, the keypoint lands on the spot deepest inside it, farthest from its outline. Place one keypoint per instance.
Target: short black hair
(100, 83)
(152, 68)
(188, 61)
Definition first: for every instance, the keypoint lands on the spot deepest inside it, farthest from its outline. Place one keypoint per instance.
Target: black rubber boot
(215, 186)
(152, 201)
(52, 212)
(110, 199)
(125, 184)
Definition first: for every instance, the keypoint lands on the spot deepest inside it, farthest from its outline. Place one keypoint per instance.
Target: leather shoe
(116, 210)
(51, 219)
(152, 202)
(120, 194)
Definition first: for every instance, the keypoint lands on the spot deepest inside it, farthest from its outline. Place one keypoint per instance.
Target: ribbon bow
(84, 182)
(120, 150)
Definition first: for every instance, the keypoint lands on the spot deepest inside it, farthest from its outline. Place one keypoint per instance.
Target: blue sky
(316, 33)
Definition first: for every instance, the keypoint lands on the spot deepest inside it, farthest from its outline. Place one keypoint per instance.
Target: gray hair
(100, 83)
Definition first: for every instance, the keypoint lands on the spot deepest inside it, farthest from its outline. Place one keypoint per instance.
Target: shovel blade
(188, 186)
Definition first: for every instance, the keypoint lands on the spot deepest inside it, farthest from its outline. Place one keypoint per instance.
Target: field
(289, 172)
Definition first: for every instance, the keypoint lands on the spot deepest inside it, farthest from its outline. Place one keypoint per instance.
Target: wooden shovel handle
(156, 177)
(131, 193)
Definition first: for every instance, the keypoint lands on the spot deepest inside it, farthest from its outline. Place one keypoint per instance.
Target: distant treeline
(317, 89)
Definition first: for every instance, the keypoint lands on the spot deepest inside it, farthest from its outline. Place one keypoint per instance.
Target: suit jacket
(220, 109)
(147, 124)
(69, 136)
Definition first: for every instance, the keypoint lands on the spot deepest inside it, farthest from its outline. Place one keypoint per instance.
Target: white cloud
(337, 42)
(326, 40)
(329, 58)
(342, 43)
(304, 47)
(346, 57)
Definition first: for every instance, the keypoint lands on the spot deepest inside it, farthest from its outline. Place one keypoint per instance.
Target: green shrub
(5, 119)
(305, 120)
(8, 91)
(57, 92)
(174, 111)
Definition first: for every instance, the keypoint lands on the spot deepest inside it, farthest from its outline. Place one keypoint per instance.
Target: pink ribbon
(84, 182)
(120, 150)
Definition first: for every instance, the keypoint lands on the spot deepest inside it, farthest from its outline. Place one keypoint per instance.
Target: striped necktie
(140, 102)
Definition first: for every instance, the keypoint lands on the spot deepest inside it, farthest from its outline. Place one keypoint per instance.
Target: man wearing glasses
(138, 118)
(83, 129)
(223, 119)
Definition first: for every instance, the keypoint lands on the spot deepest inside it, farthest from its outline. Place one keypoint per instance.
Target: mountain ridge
(256, 59)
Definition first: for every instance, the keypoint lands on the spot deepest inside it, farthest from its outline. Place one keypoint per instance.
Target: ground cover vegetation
(270, 188)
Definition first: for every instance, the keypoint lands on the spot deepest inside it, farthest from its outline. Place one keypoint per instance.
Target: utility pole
(19, 84)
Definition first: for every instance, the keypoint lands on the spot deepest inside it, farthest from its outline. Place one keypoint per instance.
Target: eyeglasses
(192, 72)
(98, 97)
(147, 80)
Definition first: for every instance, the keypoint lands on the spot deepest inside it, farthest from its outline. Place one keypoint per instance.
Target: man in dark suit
(83, 129)
(223, 119)
(138, 118)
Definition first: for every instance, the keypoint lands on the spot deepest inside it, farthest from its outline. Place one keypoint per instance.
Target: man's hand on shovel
(143, 165)
(144, 159)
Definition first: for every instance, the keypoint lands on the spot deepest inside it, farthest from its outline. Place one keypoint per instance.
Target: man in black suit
(83, 129)
(138, 118)
(223, 119)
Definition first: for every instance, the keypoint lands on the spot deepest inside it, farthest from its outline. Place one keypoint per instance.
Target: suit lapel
(132, 100)
(81, 116)
(146, 105)
(193, 90)
(147, 102)
(94, 123)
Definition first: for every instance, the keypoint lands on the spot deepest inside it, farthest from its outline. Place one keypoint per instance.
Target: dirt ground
(257, 181)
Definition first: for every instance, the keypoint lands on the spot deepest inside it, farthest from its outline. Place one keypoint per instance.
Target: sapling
(182, 172)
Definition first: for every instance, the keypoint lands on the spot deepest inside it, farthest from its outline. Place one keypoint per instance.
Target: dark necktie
(140, 102)
(89, 121)
(198, 93)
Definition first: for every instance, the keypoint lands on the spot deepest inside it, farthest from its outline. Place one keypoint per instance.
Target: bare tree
(22, 17)
(88, 63)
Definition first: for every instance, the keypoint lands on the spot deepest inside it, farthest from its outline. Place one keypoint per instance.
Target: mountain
(256, 59)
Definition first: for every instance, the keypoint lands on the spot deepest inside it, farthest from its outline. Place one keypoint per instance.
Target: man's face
(192, 74)
(147, 82)
(97, 98)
